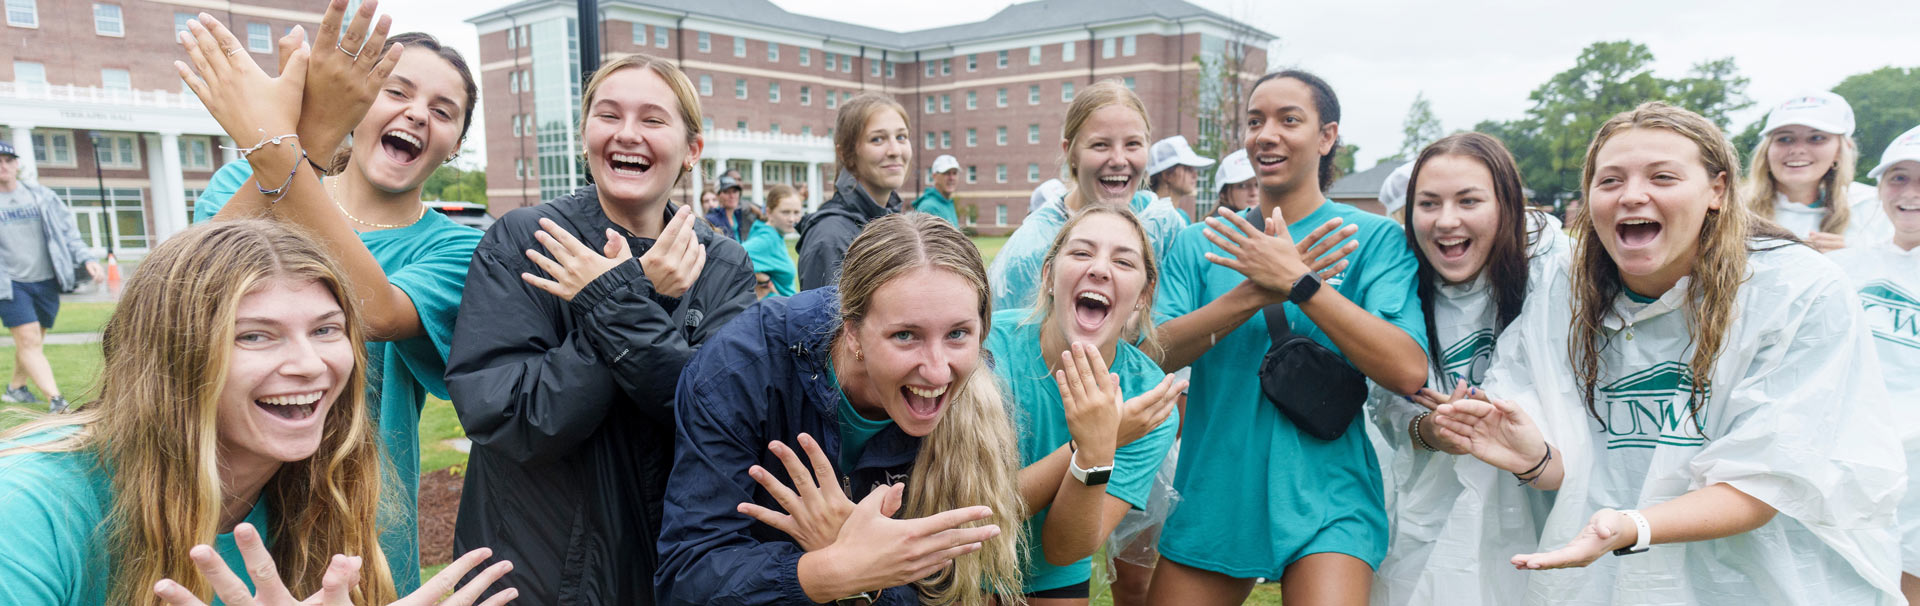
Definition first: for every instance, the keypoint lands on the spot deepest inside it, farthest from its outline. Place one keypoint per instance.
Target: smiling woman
(873, 149)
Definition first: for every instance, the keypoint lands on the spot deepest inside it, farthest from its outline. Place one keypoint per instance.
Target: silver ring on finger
(348, 52)
(233, 51)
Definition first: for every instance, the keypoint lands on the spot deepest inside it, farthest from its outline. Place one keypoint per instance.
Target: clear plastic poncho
(1888, 282)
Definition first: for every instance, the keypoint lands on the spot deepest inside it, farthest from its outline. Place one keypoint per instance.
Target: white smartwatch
(1643, 538)
(1093, 476)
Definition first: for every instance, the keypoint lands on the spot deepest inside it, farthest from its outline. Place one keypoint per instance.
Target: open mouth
(1907, 206)
(1114, 186)
(293, 407)
(1090, 310)
(1268, 161)
(401, 146)
(1452, 249)
(924, 402)
(1798, 163)
(1637, 232)
(631, 165)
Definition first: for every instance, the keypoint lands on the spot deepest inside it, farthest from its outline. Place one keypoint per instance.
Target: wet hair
(1326, 105)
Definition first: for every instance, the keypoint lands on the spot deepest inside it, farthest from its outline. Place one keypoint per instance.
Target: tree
(453, 184)
(1343, 160)
(1219, 96)
(1884, 106)
(1420, 129)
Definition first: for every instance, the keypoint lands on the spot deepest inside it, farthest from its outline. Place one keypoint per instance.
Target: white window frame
(973, 62)
(739, 46)
(520, 169)
(188, 158)
(973, 137)
(1033, 172)
(930, 137)
(1106, 48)
(973, 99)
(660, 36)
(1000, 173)
(706, 42)
(1000, 215)
(259, 37)
(111, 70)
(774, 128)
(806, 95)
(1066, 52)
(806, 58)
(773, 52)
(833, 61)
(706, 124)
(846, 65)
(1033, 55)
(180, 25)
(112, 25)
(706, 85)
(946, 103)
(1129, 45)
(45, 151)
(946, 139)
(516, 125)
(29, 8)
(39, 67)
(932, 105)
(123, 157)
(1066, 92)
(1002, 60)
(639, 36)
(1033, 94)
(773, 92)
(1000, 97)
(1033, 133)
(740, 125)
(973, 174)
(739, 88)
(1000, 135)
(946, 66)
(1129, 82)
(832, 100)
(806, 131)
(890, 65)
(513, 83)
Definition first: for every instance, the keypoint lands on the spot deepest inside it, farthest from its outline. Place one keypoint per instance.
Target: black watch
(1304, 288)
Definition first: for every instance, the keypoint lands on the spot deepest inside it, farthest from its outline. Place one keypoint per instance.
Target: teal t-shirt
(932, 203)
(1015, 273)
(428, 261)
(855, 430)
(53, 545)
(1257, 493)
(1043, 428)
(768, 251)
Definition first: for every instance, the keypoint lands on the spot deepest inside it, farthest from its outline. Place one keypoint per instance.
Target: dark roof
(1366, 183)
(1014, 20)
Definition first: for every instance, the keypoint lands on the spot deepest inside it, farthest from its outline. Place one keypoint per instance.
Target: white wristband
(1643, 538)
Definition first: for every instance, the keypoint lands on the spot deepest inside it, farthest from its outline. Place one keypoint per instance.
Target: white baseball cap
(1393, 192)
(1172, 151)
(1233, 169)
(944, 163)
(1905, 147)
(1819, 110)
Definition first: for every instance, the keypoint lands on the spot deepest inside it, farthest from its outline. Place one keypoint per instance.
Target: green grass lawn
(81, 317)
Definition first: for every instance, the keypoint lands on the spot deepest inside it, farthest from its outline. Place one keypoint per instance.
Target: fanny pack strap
(1275, 314)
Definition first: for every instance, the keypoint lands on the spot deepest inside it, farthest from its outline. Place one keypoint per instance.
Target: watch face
(1096, 478)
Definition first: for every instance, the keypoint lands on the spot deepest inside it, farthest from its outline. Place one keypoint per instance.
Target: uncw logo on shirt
(1650, 408)
(1893, 313)
(1467, 359)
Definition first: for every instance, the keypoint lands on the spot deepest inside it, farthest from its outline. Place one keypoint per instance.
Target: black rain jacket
(826, 234)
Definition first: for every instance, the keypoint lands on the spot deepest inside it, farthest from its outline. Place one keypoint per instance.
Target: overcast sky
(1474, 59)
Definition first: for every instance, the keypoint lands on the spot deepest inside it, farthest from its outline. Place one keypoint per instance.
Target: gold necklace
(334, 186)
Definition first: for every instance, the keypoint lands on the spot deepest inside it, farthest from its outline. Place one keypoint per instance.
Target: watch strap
(1091, 476)
(1643, 534)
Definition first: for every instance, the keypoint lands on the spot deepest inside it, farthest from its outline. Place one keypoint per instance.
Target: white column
(694, 187)
(813, 187)
(166, 184)
(23, 145)
(758, 187)
(228, 155)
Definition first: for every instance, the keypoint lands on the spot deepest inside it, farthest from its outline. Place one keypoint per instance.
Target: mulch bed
(439, 506)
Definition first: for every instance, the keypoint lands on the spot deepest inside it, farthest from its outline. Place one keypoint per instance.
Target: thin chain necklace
(334, 186)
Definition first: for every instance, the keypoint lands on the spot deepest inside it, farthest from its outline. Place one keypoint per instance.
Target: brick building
(993, 93)
(79, 72)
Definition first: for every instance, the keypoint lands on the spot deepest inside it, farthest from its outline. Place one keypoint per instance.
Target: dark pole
(106, 220)
(589, 23)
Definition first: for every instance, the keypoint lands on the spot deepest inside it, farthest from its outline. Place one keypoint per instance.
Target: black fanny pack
(1314, 386)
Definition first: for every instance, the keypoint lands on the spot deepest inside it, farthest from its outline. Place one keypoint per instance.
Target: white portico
(759, 150)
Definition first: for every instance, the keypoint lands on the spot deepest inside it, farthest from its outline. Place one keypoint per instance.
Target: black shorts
(32, 302)
(1081, 590)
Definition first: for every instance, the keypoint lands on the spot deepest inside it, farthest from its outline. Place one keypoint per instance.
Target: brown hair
(1093, 99)
(851, 124)
(155, 431)
(776, 193)
(1762, 190)
(684, 93)
(452, 56)
(1140, 327)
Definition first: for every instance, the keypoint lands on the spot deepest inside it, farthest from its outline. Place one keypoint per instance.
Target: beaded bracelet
(1414, 429)
(280, 192)
(243, 153)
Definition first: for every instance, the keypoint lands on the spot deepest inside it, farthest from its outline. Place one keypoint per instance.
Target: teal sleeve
(767, 249)
(220, 189)
(434, 281)
(1387, 287)
(1135, 465)
(43, 548)
(1182, 275)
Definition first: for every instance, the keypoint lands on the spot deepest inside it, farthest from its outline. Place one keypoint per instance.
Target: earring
(859, 357)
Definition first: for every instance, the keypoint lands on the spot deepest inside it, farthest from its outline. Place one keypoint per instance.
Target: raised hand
(874, 551)
(816, 508)
(344, 74)
(1091, 397)
(444, 589)
(1493, 430)
(1271, 260)
(1319, 246)
(335, 585)
(1446, 442)
(677, 257)
(574, 265)
(1599, 537)
(250, 105)
(1140, 414)
(1826, 242)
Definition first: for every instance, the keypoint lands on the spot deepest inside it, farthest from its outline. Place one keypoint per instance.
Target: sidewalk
(61, 338)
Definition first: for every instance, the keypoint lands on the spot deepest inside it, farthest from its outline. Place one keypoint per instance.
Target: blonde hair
(1139, 328)
(1761, 189)
(1718, 268)
(154, 427)
(851, 124)
(1093, 99)
(971, 458)
(683, 92)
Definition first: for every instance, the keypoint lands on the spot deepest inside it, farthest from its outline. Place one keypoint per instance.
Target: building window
(106, 20)
(846, 65)
(23, 13)
(116, 79)
(1000, 97)
(1000, 214)
(706, 85)
(873, 68)
(973, 137)
(833, 62)
(660, 35)
(973, 99)
(195, 154)
(259, 37)
(929, 140)
(1000, 173)
(520, 169)
(930, 68)
(706, 42)
(639, 36)
(890, 70)
(973, 174)
(1002, 60)
(117, 151)
(1106, 48)
(806, 58)
(739, 46)
(1033, 55)
(29, 72)
(739, 88)
(516, 126)
(946, 103)
(53, 148)
(740, 125)
(806, 95)
(1129, 81)
(1066, 92)
(513, 82)
(931, 104)
(946, 67)
(774, 128)
(773, 92)
(832, 100)
(706, 125)
(946, 139)
(1033, 94)
(845, 97)
(773, 52)
(973, 62)
(1033, 172)
(1033, 133)
(1127, 45)
(180, 25)
(1000, 135)
(1066, 52)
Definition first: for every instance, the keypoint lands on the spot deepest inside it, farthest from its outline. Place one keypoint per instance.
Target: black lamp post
(589, 24)
(100, 180)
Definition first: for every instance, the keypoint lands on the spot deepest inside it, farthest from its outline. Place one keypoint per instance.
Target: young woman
(1709, 391)
(1482, 253)
(1887, 276)
(231, 407)
(767, 244)
(1260, 497)
(881, 377)
(405, 262)
(1238, 190)
(1104, 143)
(578, 316)
(1092, 441)
(872, 147)
(1801, 175)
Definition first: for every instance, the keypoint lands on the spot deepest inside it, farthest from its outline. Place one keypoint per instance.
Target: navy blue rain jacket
(763, 377)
